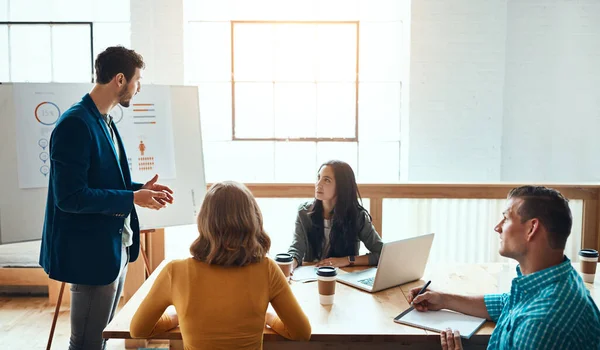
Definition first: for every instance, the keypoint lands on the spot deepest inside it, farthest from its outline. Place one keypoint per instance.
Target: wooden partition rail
(589, 194)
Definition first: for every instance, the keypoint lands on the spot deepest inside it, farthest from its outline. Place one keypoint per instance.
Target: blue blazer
(89, 196)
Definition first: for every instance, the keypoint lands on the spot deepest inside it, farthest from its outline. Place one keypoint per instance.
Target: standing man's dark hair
(91, 228)
(119, 69)
(550, 207)
(115, 60)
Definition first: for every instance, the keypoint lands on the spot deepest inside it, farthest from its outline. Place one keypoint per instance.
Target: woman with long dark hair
(329, 229)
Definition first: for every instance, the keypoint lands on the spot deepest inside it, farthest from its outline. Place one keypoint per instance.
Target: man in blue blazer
(91, 229)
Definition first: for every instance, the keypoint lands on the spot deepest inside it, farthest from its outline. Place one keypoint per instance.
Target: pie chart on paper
(47, 113)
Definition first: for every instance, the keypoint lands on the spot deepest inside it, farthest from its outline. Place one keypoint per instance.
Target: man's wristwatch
(351, 260)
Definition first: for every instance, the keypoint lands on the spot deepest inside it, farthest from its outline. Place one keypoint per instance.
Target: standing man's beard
(123, 100)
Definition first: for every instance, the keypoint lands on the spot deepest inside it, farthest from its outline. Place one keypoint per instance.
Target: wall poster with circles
(145, 127)
(161, 135)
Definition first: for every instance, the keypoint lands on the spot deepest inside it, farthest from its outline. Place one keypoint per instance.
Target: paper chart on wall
(145, 127)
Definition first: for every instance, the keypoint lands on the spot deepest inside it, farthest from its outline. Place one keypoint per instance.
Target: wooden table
(359, 319)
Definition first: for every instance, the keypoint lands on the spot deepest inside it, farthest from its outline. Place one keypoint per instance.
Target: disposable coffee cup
(588, 259)
(326, 276)
(285, 260)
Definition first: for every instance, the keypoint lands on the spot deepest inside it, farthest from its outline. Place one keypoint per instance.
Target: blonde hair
(230, 225)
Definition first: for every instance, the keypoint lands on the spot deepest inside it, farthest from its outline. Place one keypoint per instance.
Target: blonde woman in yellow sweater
(221, 295)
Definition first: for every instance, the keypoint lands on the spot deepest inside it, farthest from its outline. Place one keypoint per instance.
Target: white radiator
(464, 228)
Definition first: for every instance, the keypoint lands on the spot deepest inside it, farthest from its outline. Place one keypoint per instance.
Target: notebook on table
(305, 274)
(439, 321)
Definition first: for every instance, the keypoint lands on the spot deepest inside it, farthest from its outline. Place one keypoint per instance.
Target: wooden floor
(25, 324)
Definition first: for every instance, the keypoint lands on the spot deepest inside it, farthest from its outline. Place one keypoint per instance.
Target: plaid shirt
(548, 309)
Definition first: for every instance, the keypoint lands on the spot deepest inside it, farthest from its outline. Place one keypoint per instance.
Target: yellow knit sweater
(220, 307)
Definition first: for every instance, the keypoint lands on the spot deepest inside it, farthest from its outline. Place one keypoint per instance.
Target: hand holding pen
(423, 299)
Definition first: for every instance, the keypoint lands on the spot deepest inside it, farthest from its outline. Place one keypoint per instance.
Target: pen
(422, 290)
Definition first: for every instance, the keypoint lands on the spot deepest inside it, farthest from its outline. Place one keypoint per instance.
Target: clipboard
(438, 321)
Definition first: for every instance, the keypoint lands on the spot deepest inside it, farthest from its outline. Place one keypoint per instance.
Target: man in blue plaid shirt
(548, 306)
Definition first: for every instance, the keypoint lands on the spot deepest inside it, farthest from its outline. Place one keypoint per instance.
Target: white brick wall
(157, 33)
(504, 90)
(552, 92)
(457, 78)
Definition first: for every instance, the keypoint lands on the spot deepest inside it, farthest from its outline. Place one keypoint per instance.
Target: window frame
(90, 24)
(295, 139)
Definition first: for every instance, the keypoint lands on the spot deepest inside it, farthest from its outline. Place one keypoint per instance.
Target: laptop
(399, 262)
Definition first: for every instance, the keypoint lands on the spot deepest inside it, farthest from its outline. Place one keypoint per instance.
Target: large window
(287, 85)
(57, 41)
(61, 52)
(298, 80)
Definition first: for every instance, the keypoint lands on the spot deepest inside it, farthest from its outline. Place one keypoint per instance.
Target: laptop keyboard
(367, 281)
